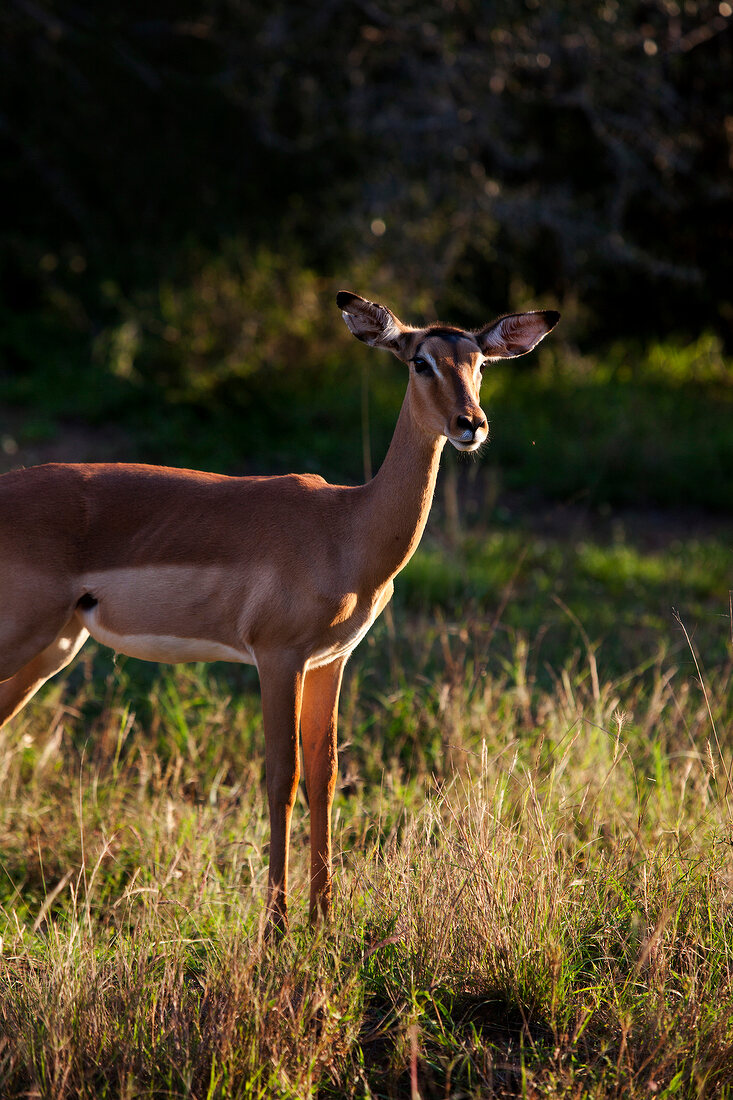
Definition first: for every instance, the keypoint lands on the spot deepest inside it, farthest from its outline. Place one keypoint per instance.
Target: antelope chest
(350, 625)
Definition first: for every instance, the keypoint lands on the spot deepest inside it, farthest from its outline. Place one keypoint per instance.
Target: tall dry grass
(534, 887)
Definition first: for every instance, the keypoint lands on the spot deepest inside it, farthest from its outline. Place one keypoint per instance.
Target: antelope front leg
(318, 722)
(282, 686)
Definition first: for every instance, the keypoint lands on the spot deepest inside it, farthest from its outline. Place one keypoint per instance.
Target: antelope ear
(515, 334)
(374, 324)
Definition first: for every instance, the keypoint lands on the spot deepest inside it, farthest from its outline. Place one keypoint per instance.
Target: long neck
(397, 500)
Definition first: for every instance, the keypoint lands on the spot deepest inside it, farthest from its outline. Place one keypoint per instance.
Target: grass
(533, 852)
(569, 590)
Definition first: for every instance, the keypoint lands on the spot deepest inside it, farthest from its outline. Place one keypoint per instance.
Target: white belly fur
(166, 648)
(152, 586)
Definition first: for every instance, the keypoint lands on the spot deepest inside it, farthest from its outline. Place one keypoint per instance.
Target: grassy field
(533, 823)
(533, 837)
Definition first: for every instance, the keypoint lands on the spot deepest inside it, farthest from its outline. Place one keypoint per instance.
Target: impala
(287, 573)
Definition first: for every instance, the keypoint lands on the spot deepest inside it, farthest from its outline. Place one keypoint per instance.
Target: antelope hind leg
(18, 689)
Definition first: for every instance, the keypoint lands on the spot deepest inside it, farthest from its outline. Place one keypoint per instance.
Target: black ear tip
(344, 298)
(552, 317)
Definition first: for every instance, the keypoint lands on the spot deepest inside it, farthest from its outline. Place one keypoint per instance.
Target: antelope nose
(465, 427)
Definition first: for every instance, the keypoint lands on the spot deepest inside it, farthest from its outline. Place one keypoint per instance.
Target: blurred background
(186, 186)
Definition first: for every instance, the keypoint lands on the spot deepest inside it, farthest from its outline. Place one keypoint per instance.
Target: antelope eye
(421, 365)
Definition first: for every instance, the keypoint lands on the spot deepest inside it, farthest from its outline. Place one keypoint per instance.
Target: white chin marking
(473, 446)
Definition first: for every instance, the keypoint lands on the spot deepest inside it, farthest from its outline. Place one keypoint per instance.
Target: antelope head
(446, 363)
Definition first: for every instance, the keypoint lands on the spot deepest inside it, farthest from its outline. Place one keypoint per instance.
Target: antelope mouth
(472, 443)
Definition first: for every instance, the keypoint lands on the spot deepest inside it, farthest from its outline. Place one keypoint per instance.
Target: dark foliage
(489, 149)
